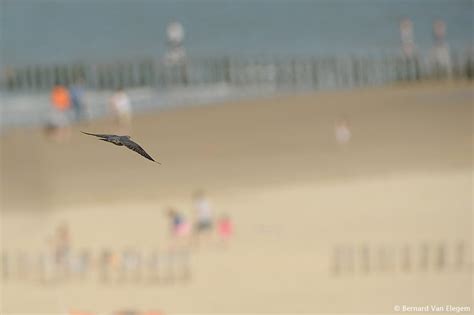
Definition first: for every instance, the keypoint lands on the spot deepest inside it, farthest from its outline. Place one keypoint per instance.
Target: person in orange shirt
(60, 97)
(61, 102)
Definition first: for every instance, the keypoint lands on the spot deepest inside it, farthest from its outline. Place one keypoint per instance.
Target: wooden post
(315, 73)
(460, 256)
(424, 256)
(5, 266)
(364, 252)
(37, 78)
(349, 259)
(226, 68)
(382, 258)
(406, 258)
(440, 262)
(336, 260)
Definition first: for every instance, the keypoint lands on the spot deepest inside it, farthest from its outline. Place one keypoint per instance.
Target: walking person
(77, 93)
(121, 109)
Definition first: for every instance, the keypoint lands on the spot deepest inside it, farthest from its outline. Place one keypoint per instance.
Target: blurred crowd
(62, 262)
(204, 229)
(69, 102)
(439, 58)
(69, 105)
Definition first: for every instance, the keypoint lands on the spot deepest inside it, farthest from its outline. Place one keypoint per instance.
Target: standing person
(176, 53)
(440, 55)
(76, 92)
(225, 229)
(61, 101)
(203, 216)
(179, 228)
(122, 110)
(409, 50)
(342, 131)
(407, 38)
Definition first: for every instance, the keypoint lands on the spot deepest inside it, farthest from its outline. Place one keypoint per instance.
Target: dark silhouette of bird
(123, 141)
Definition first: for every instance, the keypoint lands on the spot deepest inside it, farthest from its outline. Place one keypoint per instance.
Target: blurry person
(63, 250)
(407, 38)
(76, 92)
(179, 228)
(175, 34)
(203, 217)
(59, 123)
(342, 131)
(224, 229)
(121, 109)
(440, 55)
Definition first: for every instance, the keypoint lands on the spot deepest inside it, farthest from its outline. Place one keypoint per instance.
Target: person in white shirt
(407, 38)
(440, 55)
(203, 216)
(342, 131)
(122, 110)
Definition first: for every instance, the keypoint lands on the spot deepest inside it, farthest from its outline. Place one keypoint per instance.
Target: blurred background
(316, 156)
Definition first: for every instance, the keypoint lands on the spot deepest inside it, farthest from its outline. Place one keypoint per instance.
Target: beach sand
(293, 192)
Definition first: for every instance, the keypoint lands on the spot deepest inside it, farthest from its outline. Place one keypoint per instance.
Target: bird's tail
(93, 134)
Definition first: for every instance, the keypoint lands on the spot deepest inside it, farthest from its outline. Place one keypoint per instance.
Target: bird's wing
(137, 148)
(97, 135)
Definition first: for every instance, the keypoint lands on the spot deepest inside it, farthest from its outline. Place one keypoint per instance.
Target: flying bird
(123, 141)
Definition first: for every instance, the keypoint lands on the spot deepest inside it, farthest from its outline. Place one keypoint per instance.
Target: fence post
(5, 266)
(406, 258)
(440, 262)
(460, 253)
(365, 257)
(424, 256)
(335, 267)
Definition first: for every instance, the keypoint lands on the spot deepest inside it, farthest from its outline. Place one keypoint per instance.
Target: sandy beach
(293, 192)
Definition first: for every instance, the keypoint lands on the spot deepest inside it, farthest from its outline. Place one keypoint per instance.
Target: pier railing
(302, 73)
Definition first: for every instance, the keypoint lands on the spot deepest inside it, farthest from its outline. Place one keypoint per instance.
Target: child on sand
(180, 228)
(203, 218)
(224, 229)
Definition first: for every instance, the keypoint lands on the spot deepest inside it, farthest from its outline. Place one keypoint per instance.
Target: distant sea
(46, 31)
